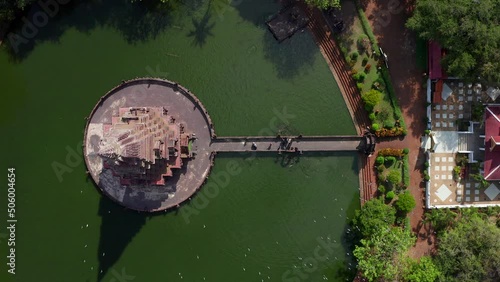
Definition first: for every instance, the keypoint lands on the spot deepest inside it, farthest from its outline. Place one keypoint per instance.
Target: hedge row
(406, 171)
(392, 96)
(391, 152)
(385, 73)
(367, 28)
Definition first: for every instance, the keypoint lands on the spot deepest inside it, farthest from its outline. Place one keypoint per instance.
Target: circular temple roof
(146, 144)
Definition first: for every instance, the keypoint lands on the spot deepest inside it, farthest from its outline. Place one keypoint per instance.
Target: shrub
(371, 98)
(365, 60)
(391, 152)
(390, 160)
(395, 131)
(426, 164)
(406, 171)
(359, 85)
(406, 151)
(375, 126)
(394, 176)
(371, 116)
(427, 178)
(405, 202)
(379, 84)
(359, 77)
(427, 132)
(381, 189)
(379, 160)
(381, 178)
(390, 195)
(380, 168)
(354, 56)
(367, 68)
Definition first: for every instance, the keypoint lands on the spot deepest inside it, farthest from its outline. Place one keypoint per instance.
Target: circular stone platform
(181, 104)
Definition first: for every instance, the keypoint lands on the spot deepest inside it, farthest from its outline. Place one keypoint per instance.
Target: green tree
(381, 257)
(8, 8)
(405, 202)
(371, 98)
(373, 216)
(469, 30)
(324, 4)
(440, 219)
(422, 271)
(470, 251)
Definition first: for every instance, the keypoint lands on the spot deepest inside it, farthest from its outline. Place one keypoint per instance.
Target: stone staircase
(465, 141)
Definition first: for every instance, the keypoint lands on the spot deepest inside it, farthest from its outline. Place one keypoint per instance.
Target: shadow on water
(118, 228)
(136, 22)
(292, 55)
(202, 28)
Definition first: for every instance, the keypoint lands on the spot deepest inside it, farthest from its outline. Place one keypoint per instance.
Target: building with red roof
(492, 143)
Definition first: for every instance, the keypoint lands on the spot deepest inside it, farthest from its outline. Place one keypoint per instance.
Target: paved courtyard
(455, 103)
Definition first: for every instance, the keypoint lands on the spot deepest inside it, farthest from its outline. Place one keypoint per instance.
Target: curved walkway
(350, 92)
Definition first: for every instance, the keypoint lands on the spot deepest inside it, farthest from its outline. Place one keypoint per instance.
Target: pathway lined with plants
(406, 91)
(399, 44)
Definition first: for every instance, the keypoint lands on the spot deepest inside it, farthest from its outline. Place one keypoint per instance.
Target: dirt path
(388, 24)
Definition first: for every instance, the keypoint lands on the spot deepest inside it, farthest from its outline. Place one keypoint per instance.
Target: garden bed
(361, 51)
(393, 173)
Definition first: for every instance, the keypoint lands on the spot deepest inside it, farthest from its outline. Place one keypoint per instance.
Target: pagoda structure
(144, 145)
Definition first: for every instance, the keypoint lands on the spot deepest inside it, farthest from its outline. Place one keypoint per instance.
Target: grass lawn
(360, 50)
(349, 45)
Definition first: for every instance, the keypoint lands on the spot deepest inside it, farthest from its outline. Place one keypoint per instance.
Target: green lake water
(264, 223)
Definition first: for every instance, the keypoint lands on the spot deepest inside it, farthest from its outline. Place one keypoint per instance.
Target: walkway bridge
(288, 144)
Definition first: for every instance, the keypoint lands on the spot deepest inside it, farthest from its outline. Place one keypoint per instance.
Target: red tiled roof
(492, 152)
(437, 92)
(435, 53)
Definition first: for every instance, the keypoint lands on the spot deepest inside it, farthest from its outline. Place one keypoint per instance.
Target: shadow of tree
(136, 22)
(202, 28)
(118, 227)
(292, 56)
(256, 11)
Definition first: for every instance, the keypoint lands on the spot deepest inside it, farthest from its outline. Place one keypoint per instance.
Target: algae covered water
(277, 219)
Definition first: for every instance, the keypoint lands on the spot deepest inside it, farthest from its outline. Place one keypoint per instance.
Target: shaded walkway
(399, 44)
